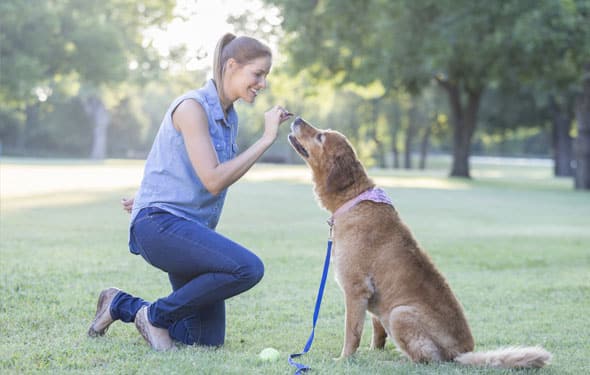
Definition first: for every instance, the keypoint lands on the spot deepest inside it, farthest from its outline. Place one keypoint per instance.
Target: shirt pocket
(218, 143)
(220, 150)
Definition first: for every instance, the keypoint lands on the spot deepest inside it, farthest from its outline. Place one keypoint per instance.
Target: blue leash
(301, 367)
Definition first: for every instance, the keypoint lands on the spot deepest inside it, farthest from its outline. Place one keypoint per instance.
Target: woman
(174, 214)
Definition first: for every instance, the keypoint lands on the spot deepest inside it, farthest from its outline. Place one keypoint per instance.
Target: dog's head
(332, 159)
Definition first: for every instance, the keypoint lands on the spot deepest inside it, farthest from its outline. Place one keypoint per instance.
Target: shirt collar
(214, 102)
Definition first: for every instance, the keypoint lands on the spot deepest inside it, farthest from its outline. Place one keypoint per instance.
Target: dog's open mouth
(297, 146)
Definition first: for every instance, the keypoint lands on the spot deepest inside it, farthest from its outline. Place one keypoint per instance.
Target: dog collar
(377, 195)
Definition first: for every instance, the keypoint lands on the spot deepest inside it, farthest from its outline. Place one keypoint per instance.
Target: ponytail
(243, 49)
(219, 61)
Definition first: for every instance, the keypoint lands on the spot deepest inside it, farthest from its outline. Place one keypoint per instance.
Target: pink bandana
(377, 195)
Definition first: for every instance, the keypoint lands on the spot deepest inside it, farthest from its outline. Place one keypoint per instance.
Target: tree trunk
(410, 133)
(561, 139)
(424, 146)
(97, 112)
(464, 120)
(395, 153)
(375, 119)
(582, 141)
(31, 122)
(380, 152)
(393, 131)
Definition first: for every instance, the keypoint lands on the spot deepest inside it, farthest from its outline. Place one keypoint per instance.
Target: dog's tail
(510, 357)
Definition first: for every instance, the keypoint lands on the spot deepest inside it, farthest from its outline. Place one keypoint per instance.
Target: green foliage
(343, 64)
(60, 47)
(406, 42)
(467, 46)
(42, 41)
(65, 130)
(521, 274)
(553, 40)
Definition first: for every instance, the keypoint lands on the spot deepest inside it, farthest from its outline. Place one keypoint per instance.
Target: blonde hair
(243, 49)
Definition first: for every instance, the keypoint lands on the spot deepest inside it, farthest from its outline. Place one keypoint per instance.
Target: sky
(203, 24)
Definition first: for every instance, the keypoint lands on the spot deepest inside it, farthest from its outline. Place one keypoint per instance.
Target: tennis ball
(269, 354)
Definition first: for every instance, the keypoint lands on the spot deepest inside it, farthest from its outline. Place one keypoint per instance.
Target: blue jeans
(204, 269)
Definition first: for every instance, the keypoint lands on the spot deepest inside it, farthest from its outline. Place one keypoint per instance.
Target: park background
(473, 115)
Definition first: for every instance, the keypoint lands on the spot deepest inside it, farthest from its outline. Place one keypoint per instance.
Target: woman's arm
(191, 120)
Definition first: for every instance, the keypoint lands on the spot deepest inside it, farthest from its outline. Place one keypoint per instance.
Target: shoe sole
(102, 307)
(141, 323)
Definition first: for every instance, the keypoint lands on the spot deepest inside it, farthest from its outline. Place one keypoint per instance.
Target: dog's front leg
(353, 325)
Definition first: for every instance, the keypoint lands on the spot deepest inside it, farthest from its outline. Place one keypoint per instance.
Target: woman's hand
(272, 119)
(127, 204)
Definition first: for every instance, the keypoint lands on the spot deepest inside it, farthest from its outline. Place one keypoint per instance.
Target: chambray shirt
(169, 181)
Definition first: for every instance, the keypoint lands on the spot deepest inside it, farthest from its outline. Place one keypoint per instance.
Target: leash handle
(318, 302)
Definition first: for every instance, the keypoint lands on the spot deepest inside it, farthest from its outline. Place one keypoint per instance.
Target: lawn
(514, 244)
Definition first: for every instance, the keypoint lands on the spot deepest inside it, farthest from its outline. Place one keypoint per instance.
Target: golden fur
(382, 269)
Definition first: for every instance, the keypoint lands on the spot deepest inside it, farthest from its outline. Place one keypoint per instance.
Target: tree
(68, 45)
(465, 46)
(557, 59)
(522, 108)
(582, 143)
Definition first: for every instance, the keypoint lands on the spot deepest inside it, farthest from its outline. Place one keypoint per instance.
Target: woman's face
(245, 81)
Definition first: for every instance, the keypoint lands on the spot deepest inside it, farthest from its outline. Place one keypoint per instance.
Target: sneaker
(158, 338)
(103, 319)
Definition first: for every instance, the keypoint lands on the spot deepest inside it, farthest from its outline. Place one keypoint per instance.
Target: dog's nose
(297, 120)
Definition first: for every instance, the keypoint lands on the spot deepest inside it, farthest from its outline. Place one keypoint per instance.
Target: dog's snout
(300, 125)
(298, 121)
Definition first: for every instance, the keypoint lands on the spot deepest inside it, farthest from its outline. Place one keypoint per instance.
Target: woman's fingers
(127, 204)
(284, 113)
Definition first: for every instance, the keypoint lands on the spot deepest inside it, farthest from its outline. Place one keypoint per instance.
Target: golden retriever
(382, 269)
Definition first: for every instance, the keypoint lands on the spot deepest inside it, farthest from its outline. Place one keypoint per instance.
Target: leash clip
(330, 222)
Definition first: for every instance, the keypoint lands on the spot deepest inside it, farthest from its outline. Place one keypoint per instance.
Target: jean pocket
(162, 219)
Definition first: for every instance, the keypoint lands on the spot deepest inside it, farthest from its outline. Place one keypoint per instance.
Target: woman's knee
(253, 271)
(193, 331)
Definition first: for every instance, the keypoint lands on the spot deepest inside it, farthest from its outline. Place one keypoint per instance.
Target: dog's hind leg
(411, 336)
(379, 334)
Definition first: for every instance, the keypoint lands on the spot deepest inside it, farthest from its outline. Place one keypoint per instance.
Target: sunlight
(25, 185)
(19, 181)
(197, 26)
(302, 174)
(411, 182)
(261, 173)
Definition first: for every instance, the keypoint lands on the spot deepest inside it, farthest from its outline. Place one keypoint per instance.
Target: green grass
(514, 244)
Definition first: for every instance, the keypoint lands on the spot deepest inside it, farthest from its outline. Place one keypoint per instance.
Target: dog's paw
(343, 358)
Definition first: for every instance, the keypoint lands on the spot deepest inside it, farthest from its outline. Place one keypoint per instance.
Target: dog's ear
(342, 173)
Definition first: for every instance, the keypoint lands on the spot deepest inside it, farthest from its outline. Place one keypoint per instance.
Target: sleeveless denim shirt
(170, 181)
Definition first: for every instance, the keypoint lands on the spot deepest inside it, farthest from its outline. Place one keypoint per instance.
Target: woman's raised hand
(272, 119)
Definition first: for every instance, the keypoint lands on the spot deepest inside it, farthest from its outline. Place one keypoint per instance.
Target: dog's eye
(320, 137)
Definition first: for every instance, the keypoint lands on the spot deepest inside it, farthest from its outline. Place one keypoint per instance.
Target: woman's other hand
(127, 204)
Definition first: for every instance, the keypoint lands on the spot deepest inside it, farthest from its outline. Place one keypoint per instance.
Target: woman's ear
(231, 64)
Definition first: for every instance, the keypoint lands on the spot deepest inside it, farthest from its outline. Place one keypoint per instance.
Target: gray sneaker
(103, 319)
(158, 338)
